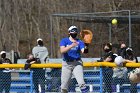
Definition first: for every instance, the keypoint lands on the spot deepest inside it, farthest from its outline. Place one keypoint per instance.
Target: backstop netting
(101, 26)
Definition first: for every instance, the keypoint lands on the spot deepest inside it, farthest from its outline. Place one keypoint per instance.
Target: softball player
(71, 47)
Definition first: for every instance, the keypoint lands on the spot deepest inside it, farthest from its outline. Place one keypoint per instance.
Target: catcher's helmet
(73, 29)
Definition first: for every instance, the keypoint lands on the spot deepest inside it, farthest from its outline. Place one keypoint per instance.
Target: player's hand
(74, 44)
(32, 62)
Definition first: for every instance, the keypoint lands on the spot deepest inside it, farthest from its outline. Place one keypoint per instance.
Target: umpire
(5, 74)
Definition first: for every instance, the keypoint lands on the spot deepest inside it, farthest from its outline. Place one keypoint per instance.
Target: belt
(70, 60)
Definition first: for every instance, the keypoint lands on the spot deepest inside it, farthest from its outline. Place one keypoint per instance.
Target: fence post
(31, 81)
(101, 80)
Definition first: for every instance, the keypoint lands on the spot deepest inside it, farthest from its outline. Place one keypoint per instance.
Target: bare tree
(22, 21)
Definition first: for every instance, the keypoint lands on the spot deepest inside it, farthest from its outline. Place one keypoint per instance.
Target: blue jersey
(73, 53)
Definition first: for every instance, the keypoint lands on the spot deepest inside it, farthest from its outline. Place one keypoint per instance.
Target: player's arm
(10, 62)
(64, 49)
(82, 50)
(108, 59)
(32, 62)
(84, 47)
(129, 61)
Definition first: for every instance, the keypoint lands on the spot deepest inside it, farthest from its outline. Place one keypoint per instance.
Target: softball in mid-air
(114, 21)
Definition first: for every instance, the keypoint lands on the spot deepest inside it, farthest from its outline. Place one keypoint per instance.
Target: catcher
(71, 48)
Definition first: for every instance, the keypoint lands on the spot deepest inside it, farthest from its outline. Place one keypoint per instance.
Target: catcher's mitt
(86, 36)
(134, 76)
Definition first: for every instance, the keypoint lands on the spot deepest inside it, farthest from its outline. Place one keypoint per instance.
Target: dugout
(100, 24)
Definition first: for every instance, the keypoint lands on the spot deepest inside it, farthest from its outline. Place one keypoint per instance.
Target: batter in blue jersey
(71, 49)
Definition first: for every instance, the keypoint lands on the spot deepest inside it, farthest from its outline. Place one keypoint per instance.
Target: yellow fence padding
(59, 65)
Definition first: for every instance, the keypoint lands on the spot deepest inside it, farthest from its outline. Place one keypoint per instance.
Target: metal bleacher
(92, 79)
(21, 81)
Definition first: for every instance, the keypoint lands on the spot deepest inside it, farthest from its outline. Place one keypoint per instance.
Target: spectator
(107, 71)
(5, 74)
(120, 73)
(119, 78)
(130, 57)
(38, 73)
(40, 51)
(122, 50)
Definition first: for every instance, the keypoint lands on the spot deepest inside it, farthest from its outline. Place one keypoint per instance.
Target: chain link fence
(98, 79)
